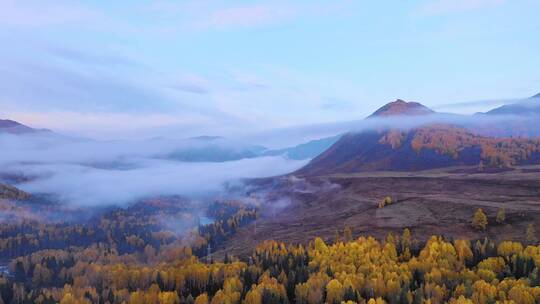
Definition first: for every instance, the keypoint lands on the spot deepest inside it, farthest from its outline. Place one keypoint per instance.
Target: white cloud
(84, 186)
(116, 123)
(50, 13)
(244, 16)
(438, 7)
(191, 83)
(91, 173)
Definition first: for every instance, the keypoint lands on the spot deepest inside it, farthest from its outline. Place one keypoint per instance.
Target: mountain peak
(13, 127)
(8, 123)
(401, 107)
(536, 96)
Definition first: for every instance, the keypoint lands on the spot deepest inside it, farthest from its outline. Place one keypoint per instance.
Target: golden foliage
(480, 220)
(495, 152)
(363, 270)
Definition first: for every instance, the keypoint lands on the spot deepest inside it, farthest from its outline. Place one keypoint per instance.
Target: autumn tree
(347, 234)
(202, 299)
(386, 201)
(406, 241)
(501, 216)
(530, 234)
(334, 292)
(480, 220)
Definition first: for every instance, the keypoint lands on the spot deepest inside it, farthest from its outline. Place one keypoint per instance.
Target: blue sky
(116, 68)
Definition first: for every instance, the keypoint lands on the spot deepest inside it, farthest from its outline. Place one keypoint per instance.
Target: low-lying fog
(84, 172)
(91, 173)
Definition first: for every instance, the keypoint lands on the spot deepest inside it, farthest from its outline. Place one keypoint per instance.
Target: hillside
(12, 193)
(428, 147)
(440, 201)
(306, 150)
(529, 106)
(425, 147)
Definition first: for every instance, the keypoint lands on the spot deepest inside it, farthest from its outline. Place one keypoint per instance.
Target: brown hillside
(427, 147)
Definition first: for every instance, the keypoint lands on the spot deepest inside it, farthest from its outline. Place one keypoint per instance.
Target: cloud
(336, 104)
(244, 16)
(92, 59)
(115, 74)
(472, 106)
(67, 88)
(84, 186)
(96, 173)
(439, 7)
(191, 83)
(246, 81)
(57, 87)
(38, 14)
(225, 15)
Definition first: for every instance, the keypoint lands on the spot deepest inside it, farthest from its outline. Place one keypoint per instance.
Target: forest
(127, 262)
(453, 141)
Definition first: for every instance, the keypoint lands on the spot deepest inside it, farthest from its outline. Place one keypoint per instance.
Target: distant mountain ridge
(530, 106)
(13, 127)
(220, 149)
(306, 150)
(205, 148)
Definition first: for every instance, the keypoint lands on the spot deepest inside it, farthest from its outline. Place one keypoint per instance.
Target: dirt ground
(442, 202)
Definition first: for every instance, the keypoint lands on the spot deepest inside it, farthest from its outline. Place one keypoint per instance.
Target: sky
(119, 69)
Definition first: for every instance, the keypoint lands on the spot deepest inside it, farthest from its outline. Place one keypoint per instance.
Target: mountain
(219, 149)
(518, 119)
(401, 107)
(530, 106)
(13, 127)
(306, 150)
(424, 147)
(212, 153)
(213, 149)
(428, 147)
